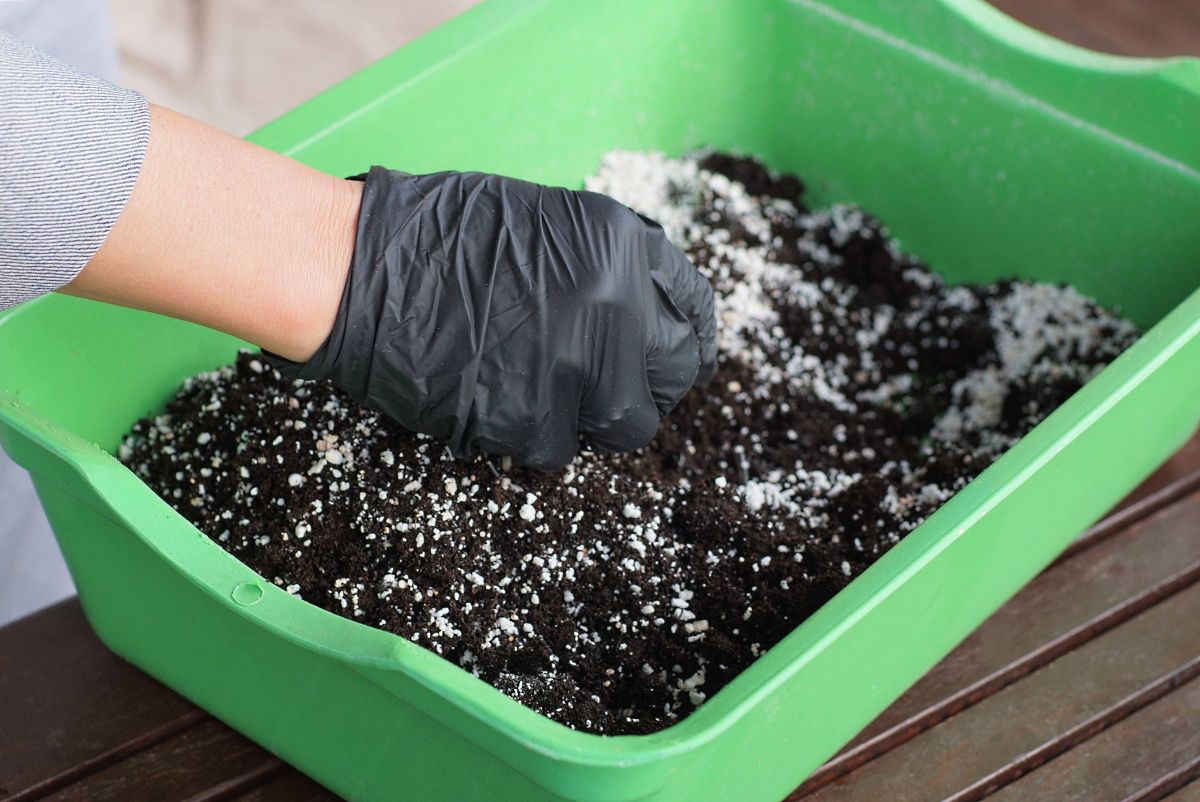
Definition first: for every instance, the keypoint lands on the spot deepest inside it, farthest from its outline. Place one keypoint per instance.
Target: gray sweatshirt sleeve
(71, 148)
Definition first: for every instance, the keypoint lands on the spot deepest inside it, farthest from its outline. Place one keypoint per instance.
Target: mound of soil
(856, 393)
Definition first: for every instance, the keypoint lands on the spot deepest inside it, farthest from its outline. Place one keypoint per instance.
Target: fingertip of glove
(633, 430)
(670, 378)
(548, 460)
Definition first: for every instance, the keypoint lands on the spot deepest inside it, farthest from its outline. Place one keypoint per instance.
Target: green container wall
(990, 149)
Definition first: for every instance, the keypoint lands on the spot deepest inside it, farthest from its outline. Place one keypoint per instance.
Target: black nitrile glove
(512, 318)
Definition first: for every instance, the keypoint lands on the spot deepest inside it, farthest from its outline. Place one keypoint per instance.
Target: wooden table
(1124, 27)
(1083, 687)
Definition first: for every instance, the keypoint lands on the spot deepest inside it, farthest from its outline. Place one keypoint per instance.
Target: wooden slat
(292, 787)
(1168, 783)
(1125, 760)
(1126, 27)
(69, 706)
(1183, 463)
(1069, 604)
(1126, 515)
(246, 782)
(190, 763)
(1063, 598)
(1030, 714)
(1078, 734)
(1189, 793)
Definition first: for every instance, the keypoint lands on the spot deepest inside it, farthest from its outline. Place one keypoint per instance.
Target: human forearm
(501, 315)
(229, 235)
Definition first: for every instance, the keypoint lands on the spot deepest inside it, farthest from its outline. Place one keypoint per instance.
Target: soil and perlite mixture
(856, 393)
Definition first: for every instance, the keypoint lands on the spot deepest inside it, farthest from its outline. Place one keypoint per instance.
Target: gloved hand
(512, 318)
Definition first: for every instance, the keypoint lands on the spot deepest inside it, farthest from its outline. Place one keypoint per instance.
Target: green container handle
(998, 26)
(1147, 103)
(1184, 72)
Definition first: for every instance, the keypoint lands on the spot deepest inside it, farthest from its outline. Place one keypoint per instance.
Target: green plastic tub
(990, 149)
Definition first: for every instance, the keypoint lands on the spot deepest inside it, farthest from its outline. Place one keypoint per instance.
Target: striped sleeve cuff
(71, 149)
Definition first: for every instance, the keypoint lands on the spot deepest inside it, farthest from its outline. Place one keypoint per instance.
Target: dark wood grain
(1124, 27)
(1183, 463)
(1174, 780)
(1081, 734)
(248, 781)
(291, 787)
(68, 706)
(192, 762)
(1126, 515)
(1129, 759)
(1074, 691)
(1068, 605)
(1189, 793)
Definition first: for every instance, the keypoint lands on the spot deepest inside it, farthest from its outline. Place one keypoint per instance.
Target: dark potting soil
(856, 393)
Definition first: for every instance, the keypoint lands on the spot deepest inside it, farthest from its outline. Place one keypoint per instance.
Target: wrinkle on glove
(514, 318)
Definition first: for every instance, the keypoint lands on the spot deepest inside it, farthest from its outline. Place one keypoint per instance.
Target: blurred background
(239, 63)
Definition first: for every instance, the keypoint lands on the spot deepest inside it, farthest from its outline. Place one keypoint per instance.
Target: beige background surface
(239, 63)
